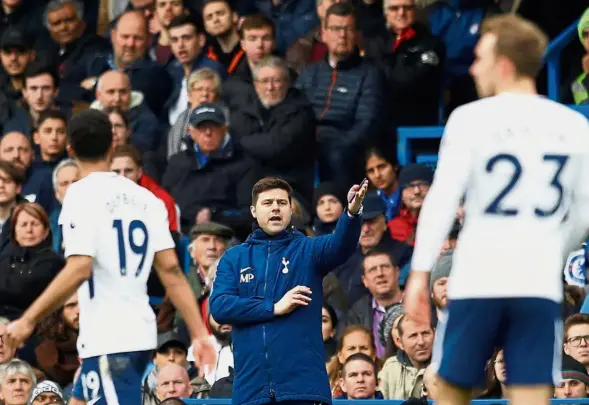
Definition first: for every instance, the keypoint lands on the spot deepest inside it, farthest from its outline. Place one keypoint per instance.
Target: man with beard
(165, 12)
(16, 52)
(438, 283)
(220, 21)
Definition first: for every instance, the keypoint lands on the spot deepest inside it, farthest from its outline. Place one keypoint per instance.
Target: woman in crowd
(121, 131)
(382, 171)
(355, 339)
(328, 330)
(28, 264)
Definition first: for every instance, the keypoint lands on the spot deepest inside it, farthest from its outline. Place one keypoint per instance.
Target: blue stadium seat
(405, 136)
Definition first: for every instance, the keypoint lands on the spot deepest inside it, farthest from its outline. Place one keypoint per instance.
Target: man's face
(577, 344)
(379, 276)
(207, 249)
(170, 354)
(273, 211)
(439, 293)
(218, 18)
(15, 60)
(51, 138)
(400, 14)
(166, 10)
(16, 149)
(340, 35)
(129, 39)
(64, 24)
(8, 190)
(6, 351)
(125, 166)
(114, 90)
(380, 173)
(172, 382)
(329, 208)
(570, 388)
(16, 389)
(417, 341)
(271, 86)
(208, 136)
(372, 231)
(40, 92)
(257, 43)
(186, 43)
(203, 91)
(414, 194)
(47, 398)
(359, 381)
(71, 312)
(65, 178)
(484, 68)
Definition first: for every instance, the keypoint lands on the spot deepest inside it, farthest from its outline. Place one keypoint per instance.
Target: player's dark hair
(128, 151)
(16, 174)
(573, 320)
(51, 114)
(90, 135)
(341, 10)
(33, 209)
(254, 22)
(379, 252)
(519, 40)
(270, 183)
(182, 20)
(39, 68)
(362, 357)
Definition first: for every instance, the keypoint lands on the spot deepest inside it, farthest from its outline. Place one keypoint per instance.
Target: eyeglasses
(575, 341)
(406, 7)
(204, 89)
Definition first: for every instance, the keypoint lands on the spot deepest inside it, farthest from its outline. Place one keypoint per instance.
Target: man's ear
(36, 137)
(253, 211)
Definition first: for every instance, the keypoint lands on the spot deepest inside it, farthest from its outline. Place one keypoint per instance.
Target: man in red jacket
(126, 161)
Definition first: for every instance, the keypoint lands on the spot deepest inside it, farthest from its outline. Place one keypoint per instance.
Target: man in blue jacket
(265, 288)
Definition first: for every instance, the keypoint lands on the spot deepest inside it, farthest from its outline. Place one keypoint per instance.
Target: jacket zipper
(272, 395)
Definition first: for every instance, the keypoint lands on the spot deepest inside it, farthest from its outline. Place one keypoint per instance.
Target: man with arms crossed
(523, 163)
(113, 230)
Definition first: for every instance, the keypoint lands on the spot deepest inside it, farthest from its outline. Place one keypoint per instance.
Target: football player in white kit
(522, 162)
(113, 231)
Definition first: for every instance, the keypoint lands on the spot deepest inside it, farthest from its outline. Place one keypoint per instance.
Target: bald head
(173, 382)
(114, 90)
(16, 148)
(129, 39)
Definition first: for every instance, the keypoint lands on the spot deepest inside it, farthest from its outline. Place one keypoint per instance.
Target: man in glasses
(412, 60)
(576, 338)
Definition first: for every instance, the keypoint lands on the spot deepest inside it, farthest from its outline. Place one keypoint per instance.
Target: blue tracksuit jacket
(278, 358)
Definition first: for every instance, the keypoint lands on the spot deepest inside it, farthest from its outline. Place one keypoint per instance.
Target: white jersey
(522, 163)
(121, 225)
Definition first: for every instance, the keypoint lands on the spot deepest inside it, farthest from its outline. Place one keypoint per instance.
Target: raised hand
(356, 196)
(297, 297)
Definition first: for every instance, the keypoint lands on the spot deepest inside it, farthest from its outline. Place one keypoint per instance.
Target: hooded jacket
(278, 358)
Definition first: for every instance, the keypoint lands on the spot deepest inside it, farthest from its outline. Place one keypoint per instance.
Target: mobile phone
(365, 181)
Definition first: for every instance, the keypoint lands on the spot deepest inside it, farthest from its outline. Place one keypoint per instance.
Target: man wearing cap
(211, 173)
(46, 393)
(373, 235)
(16, 52)
(414, 181)
(575, 380)
(438, 283)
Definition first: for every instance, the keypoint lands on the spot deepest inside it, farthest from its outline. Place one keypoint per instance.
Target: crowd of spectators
(205, 98)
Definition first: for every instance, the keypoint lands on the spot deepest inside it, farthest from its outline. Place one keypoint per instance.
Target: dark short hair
(173, 401)
(15, 173)
(270, 183)
(341, 10)
(51, 114)
(207, 2)
(573, 320)
(361, 357)
(379, 252)
(90, 135)
(128, 151)
(39, 68)
(182, 20)
(256, 21)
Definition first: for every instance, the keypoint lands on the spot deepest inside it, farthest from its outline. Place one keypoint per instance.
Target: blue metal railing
(227, 401)
(552, 58)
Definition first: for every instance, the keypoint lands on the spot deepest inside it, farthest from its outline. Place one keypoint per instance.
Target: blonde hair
(205, 74)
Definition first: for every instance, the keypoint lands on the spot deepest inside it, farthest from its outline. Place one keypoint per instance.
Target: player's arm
(177, 288)
(227, 307)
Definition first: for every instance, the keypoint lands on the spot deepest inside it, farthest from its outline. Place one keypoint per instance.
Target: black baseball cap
(172, 339)
(373, 206)
(208, 112)
(14, 38)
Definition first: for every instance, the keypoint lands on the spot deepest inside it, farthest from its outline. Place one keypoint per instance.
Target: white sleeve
(79, 225)
(443, 198)
(161, 236)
